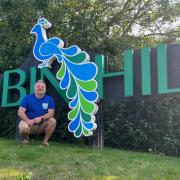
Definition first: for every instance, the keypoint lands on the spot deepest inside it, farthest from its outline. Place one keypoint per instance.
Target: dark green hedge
(7, 122)
(152, 125)
(8, 117)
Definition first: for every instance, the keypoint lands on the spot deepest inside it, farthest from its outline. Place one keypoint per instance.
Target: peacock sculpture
(76, 76)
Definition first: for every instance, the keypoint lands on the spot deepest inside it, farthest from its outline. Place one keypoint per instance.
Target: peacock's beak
(47, 24)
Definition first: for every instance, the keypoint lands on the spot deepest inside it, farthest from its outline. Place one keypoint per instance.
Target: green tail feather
(61, 71)
(72, 90)
(88, 85)
(85, 131)
(85, 117)
(73, 113)
(78, 58)
(79, 130)
(87, 107)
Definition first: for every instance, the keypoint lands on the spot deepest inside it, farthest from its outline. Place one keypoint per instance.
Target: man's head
(40, 88)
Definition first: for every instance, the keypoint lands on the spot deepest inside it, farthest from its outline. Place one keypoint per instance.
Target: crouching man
(36, 112)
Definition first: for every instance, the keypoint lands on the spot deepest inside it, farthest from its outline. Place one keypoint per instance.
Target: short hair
(40, 80)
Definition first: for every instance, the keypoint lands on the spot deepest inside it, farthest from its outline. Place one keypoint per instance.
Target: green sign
(162, 78)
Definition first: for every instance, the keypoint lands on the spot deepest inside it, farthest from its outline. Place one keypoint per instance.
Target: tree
(101, 26)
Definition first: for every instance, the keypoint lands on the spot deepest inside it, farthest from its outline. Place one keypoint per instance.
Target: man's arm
(23, 116)
(50, 114)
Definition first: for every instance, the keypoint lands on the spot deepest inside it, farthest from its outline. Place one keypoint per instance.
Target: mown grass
(64, 161)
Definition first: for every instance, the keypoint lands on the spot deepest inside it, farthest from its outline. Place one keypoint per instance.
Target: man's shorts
(34, 129)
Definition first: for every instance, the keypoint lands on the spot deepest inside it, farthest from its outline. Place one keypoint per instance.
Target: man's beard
(41, 92)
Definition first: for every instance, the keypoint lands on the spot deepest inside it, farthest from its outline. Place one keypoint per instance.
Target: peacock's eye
(42, 21)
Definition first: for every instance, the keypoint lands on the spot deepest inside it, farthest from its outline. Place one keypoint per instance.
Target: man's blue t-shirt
(36, 107)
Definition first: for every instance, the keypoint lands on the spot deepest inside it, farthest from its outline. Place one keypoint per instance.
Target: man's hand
(37, 120)
(30, 123)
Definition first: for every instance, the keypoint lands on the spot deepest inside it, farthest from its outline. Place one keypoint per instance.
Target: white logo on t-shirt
(45, 105)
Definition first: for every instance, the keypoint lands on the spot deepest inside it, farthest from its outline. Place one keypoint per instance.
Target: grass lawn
(64, 161)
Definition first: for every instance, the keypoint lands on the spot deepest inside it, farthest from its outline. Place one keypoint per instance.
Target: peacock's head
(44, 23)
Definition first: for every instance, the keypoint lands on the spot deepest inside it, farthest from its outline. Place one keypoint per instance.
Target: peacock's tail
(77, 77)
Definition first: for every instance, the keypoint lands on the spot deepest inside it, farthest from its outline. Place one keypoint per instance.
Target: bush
(61, 134)
(152, 125)
(8, 122)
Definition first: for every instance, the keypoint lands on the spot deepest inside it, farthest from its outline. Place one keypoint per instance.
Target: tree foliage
(101, 26)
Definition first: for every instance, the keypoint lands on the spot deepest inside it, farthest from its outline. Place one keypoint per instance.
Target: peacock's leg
(49, 63)
(44, 64)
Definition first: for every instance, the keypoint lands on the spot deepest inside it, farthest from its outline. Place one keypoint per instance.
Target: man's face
(40, 88)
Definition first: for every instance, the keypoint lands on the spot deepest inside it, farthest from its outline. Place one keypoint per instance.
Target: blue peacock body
(76, 76)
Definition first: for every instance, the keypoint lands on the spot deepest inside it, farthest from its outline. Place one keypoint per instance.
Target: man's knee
(52, 122)
(23, 127)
